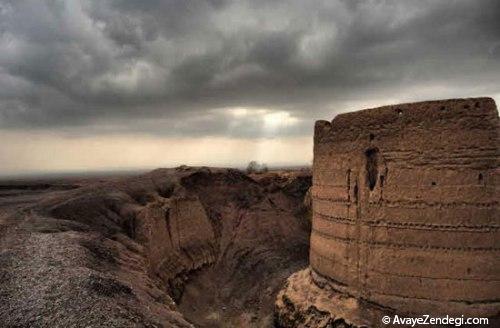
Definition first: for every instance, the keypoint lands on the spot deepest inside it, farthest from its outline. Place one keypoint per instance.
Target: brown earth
(171, 248)
(405, 220)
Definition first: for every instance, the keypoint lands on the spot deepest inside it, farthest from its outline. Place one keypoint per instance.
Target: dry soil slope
(212, 243)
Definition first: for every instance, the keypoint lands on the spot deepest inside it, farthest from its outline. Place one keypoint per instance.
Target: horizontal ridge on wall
(403, 246)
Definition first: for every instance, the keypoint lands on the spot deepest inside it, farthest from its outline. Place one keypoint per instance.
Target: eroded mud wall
(405, 206)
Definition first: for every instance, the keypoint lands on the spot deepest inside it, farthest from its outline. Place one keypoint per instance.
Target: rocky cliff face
(405, 216)
(171, 248)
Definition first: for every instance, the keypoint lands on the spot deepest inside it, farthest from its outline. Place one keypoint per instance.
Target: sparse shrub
(256, 167)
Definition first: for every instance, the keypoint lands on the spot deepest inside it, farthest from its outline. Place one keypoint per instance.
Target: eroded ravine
(172, 248)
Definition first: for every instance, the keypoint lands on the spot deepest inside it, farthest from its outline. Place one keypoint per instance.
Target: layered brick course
(405, 206)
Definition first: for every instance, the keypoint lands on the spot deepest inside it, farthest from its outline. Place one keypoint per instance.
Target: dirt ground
(180, 247)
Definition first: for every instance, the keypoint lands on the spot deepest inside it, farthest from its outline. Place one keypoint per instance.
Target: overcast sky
(103, 84)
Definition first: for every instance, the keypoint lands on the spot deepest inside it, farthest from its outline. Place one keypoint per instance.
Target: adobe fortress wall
(405, 206)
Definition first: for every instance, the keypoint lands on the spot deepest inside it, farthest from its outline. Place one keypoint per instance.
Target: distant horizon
(106, 172)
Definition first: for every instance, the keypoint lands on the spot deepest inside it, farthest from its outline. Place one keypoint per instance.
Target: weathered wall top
(430, 113)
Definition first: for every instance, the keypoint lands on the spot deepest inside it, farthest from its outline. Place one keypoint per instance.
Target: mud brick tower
(405, 206)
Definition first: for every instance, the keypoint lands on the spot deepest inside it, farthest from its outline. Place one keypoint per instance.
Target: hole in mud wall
(372, 136)
(348, 178)
(480, 178)
(371, 167)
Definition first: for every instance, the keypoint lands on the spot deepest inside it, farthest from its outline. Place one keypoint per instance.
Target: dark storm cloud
(169, 67)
